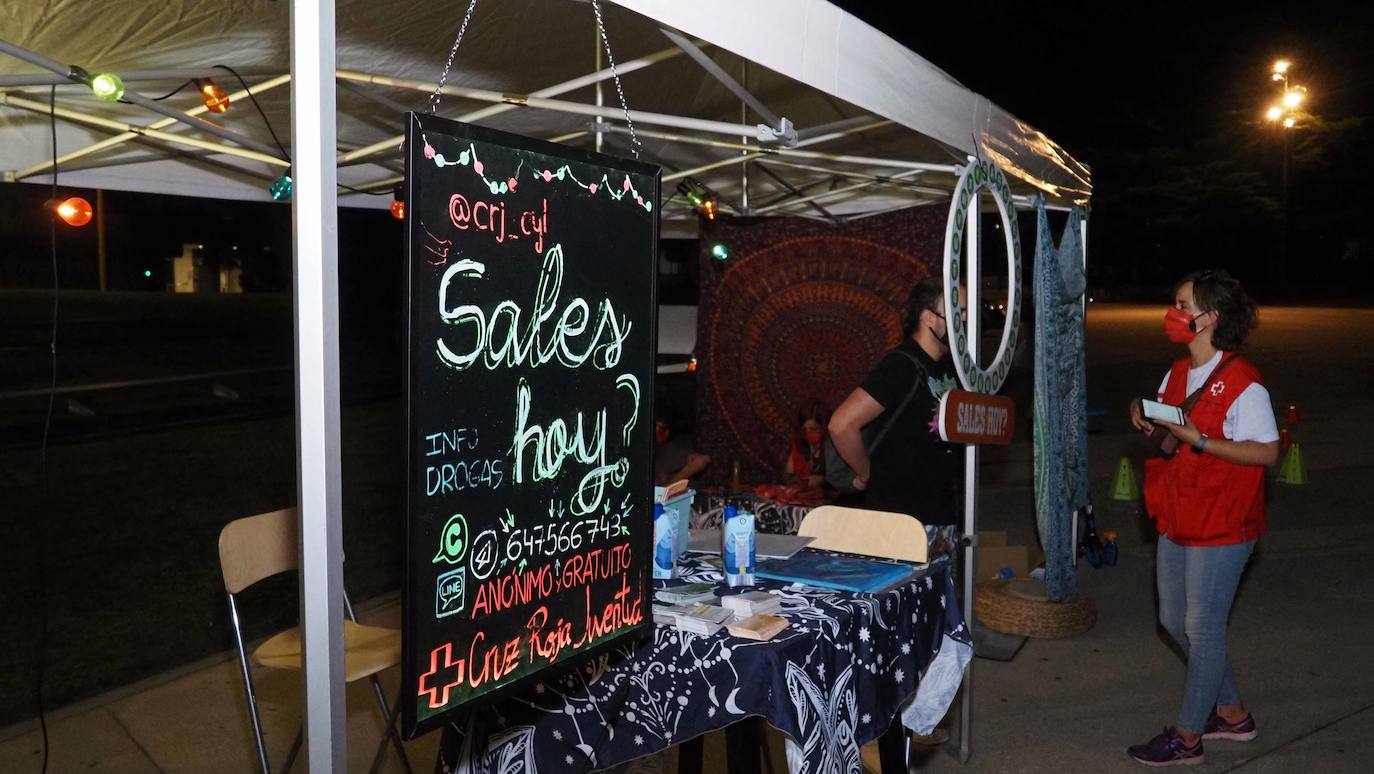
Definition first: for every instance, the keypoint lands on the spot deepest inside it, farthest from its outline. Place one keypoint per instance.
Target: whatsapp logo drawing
(453, 540)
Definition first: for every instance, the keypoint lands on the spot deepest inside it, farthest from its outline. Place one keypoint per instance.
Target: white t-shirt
(1250, 417)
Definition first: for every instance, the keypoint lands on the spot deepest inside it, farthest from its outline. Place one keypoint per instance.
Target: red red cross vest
(1199, 499)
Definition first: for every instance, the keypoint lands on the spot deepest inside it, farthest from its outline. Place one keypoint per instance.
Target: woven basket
(1019, 606)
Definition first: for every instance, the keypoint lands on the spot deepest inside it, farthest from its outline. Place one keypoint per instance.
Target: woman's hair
(922, 297)
(1216, 291)
(812, 408)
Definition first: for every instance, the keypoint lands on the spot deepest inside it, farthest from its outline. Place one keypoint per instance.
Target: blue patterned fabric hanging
(1061, 425)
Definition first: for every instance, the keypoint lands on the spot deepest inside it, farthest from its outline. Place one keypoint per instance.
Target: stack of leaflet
(687, 593)
(751, 603)
(698, 618)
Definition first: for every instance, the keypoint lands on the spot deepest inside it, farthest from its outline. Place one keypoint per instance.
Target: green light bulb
(719, 251)
(281, 189)
(147, 272)
(107, 86)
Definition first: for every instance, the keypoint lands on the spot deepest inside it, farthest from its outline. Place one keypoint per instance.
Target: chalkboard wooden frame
(419, 588)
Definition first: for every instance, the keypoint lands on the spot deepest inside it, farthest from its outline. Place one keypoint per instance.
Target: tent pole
(130, 95)
(836, 192)
(558, 105)
(813, 140)
(973, 270)
(10, 81)
(392, 143)
(126, 136)
(719, 73)
(145, 131)
(314, 211)
(786, 152)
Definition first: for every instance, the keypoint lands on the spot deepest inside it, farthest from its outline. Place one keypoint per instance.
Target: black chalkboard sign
(531, 343)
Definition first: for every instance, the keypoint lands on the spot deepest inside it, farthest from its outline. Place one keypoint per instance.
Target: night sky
(1165, 103)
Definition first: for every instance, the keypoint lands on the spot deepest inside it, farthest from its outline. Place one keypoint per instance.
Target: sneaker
(1218, 728)
(1167, 749)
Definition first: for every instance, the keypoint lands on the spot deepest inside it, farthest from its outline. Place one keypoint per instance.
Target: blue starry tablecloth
(847, 664)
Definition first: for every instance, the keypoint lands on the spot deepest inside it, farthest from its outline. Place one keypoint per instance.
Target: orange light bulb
(75, 211)
(398, 210)
(215, 98)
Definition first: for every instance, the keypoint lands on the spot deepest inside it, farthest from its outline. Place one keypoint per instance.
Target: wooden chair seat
(367, 650)
(882, 534)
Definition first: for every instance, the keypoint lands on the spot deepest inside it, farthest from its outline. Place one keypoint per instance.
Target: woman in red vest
(1207, 500)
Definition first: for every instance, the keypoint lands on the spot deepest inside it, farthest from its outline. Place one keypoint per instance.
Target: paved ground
(1299, 630)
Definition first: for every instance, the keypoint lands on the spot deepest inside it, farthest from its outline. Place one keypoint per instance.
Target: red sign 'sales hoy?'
(971, 417)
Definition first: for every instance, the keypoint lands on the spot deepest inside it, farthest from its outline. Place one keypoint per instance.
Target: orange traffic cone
(1285, 440)
(1292, 413)
(1291, 470)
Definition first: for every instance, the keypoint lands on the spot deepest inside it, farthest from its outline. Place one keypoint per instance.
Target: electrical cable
(270, 130)
(40, 551)
(361, 191)
(168, 95)
(273, 132)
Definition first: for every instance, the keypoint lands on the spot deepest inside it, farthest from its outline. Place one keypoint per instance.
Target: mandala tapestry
(801, 309)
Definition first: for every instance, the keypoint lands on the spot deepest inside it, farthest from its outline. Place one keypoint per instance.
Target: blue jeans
(1196, 587)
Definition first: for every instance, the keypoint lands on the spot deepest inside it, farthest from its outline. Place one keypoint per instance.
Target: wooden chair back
(257, 547)
(872, 533)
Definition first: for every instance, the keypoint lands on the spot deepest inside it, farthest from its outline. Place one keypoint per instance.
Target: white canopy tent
(841, 121)
(862, 105)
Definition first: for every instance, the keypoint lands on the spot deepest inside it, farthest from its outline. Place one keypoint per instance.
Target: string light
(107, 86)
(719, 251)
(74, 211)
(281, 189)
(702, 199)
(398, 203)
(215, 98)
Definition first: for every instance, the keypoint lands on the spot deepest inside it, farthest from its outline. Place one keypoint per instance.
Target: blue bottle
(1109, 550)
(665, 536)
(737, 551)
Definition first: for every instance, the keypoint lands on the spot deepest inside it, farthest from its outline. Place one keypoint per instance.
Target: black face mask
(945, 338)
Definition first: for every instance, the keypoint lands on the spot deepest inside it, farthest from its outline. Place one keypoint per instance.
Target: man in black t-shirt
(911, 471)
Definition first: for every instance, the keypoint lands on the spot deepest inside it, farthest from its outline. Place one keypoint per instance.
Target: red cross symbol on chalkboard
(438, 695)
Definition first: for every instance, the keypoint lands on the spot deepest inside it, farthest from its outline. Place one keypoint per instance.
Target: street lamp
(1285, 116)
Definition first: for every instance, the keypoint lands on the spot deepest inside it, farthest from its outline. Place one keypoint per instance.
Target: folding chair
(883, 534)
(258, 547)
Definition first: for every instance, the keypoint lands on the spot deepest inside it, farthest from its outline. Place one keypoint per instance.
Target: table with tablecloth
(847, 664)
(784, 518)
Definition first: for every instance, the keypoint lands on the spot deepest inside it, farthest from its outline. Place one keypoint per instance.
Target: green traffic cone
(1124, 486)
(1291, 470)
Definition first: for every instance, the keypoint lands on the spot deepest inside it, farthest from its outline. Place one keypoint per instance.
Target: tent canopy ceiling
(891, 126)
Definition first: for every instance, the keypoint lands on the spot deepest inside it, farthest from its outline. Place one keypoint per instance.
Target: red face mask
(1179, 326)
(660, 435)
(814, 437)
